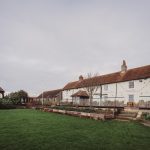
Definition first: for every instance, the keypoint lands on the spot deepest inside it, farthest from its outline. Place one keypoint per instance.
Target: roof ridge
(52, 90)
(130, 74)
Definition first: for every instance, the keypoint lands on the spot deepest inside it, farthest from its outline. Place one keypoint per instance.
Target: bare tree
(92, 87)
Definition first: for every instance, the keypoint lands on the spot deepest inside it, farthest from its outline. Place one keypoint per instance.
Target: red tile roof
(50, 94)
(71, 85)
(131, 74)
(80, 93)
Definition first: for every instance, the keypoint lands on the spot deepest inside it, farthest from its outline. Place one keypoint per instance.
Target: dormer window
(131, 84)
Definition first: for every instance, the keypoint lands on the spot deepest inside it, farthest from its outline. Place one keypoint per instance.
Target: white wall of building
(140, 91)
(66, 95)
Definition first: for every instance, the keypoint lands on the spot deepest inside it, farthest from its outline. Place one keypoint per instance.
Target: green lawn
(36, 130)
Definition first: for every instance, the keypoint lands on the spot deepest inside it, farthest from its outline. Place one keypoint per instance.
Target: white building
(128, 86)
(50, 97)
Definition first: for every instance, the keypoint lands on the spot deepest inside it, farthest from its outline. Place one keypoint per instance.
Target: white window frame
(131, 98)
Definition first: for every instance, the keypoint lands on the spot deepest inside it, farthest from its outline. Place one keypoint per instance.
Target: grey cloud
(45, 44)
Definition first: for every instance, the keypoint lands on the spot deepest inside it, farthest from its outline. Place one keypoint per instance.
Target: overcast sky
(45, 44)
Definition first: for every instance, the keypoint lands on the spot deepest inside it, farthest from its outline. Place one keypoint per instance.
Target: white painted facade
(121, 92)
(66, 95)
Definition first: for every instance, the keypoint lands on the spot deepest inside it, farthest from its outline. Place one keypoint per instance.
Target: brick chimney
(123, 67)
(80, 78)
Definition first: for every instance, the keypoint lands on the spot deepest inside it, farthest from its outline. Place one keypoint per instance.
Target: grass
(35, 130)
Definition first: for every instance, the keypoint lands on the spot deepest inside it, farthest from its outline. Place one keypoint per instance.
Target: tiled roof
(1, 90)
(71, 85)
(131, 74)
(50, 94)
(80, 93)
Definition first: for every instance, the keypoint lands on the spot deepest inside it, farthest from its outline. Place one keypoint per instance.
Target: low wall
(80, 114)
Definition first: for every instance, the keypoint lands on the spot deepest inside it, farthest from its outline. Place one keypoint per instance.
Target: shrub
(8, 106)
(69, 108)
(146, 116)
(6, 101)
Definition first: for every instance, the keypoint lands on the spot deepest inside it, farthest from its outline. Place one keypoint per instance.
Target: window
(131, 84)
(131, 98)
(105, 97)
(106, 87)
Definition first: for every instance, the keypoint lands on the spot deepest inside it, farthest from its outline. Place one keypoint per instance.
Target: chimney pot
(123, 67)
(80, 78)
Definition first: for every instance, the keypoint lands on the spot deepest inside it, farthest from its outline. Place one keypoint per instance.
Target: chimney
(123, 67)
(80, 78)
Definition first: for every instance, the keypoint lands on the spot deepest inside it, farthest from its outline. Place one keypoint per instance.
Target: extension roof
(50, 94)
(80, 93)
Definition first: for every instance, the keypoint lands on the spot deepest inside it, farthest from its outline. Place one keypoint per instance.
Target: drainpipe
(115, 99)
(100, 95)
